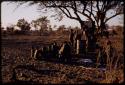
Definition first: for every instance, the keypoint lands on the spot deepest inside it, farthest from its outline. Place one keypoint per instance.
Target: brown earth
(15, 53)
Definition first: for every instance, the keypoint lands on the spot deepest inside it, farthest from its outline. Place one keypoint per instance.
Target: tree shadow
(15, 80)
(72, 61)
(33, 68)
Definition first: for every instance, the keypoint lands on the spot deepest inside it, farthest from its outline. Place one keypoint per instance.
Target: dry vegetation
(15, 52)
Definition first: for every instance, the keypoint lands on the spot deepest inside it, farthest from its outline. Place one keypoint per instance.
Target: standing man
(55, 50)
(66, 54)
(78, 38)
(32, 51)
(83, 42)
(71, 37)
(35, 53)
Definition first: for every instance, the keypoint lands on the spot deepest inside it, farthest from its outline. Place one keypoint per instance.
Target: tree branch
(75, 11)
(68, 11)
(85, 15)
(112, 17)
(97, 5)
(91, 9)
(71, 17)
(85, 5)
(63, 11)
(65, 7)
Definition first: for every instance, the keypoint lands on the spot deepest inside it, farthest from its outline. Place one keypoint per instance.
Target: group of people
(54, 51)
(83, 39)
(78, 41)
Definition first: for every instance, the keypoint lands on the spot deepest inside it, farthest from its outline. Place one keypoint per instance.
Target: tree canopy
(41, 23)
(99, 11)
(23, 24)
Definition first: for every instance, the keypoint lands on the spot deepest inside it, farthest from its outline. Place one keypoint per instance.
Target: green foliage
(10, 30)
(41, 23)
(24, 25)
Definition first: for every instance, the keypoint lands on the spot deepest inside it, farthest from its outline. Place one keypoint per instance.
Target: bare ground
(16, 58)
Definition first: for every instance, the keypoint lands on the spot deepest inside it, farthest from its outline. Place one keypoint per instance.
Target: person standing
(66, 54)
(55, 50)
(61, 51)
(32, 51)
(78, 38)
(39, 54)
(35, 53)
(44, 52)
(72, 37)
(83, 42)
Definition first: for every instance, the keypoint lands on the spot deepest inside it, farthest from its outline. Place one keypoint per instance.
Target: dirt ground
(17, 61)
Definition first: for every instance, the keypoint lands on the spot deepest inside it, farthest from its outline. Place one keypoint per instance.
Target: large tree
(23, 25)
(99, 11)
(41, 23)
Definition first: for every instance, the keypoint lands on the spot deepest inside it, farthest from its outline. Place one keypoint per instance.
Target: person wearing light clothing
(78, 38)
(85, 40)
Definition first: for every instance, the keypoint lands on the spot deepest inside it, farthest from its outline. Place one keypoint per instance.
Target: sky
(9, 16)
